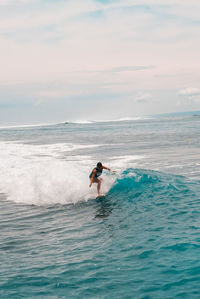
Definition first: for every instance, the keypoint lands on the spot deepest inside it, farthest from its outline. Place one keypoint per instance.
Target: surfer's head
(99, 165)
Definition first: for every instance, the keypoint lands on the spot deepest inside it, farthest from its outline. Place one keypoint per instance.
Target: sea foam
(46, 174)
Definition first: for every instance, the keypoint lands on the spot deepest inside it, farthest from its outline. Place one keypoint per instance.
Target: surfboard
(100, 196)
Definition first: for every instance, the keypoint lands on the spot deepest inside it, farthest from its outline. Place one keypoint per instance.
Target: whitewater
(140, 241)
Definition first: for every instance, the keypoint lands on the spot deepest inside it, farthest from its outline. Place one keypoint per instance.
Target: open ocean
(141, 241)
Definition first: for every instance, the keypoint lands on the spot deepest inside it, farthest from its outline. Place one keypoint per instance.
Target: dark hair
(99, 164)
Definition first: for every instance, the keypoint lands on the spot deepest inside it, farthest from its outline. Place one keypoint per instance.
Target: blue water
(142, 240)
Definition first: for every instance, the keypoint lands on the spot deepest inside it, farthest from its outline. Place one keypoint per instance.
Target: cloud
(191, 93)
(131, 68)
(118, 69)
(143, 97)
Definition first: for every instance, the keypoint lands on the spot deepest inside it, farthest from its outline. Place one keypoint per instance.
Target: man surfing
(95, 176)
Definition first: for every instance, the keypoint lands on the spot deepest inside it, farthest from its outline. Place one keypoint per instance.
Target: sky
(97, 59)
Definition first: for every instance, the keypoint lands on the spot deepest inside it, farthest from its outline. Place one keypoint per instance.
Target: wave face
(145, 183)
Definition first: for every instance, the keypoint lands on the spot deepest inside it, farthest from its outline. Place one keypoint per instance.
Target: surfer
(95, 176)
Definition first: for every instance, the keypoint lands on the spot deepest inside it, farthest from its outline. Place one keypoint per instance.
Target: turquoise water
(142, 240)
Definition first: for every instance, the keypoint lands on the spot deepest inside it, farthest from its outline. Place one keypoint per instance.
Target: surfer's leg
(99, 180)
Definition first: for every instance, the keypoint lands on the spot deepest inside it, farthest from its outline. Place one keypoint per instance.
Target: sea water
(142, 240)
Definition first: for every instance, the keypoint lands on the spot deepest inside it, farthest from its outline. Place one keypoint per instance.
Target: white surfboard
(100, 196)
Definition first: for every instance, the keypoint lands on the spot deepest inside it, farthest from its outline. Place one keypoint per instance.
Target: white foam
(46, 174)
(27, 126)
(84, 122)
(136, 118)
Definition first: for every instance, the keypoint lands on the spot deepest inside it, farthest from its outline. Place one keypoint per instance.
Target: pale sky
(86, 59)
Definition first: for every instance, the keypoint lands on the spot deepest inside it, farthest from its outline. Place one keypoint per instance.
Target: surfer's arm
(92, 178)
(104, 167)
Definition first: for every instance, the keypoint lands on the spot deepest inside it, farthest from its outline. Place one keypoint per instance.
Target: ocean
(142, 240)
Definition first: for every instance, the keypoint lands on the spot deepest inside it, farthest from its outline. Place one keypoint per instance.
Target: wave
(35, 175)
(123, 119)
(81, 122)
(136, 118)
(53, 174)
(148, 184)
(23, 126)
